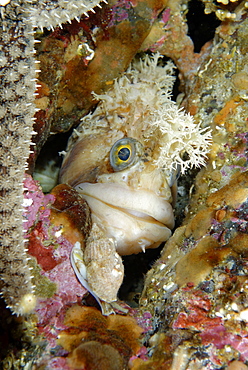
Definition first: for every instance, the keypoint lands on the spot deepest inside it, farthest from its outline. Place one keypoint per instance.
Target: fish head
(129, 195)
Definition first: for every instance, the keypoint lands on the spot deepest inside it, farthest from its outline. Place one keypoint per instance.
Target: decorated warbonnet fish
(123, 159)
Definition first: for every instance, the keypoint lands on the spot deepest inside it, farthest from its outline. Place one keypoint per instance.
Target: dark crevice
(201, 26)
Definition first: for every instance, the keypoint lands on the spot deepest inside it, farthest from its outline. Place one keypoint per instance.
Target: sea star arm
(16, 128)
(18, 19)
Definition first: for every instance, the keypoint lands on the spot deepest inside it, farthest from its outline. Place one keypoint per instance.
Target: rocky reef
(193, 311)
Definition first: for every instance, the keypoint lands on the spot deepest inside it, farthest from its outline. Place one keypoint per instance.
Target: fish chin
(136, 219)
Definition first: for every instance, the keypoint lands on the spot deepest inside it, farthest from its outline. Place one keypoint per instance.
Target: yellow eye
(124, 153)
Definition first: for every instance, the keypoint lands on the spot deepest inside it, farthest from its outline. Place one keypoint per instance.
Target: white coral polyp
(181, 135)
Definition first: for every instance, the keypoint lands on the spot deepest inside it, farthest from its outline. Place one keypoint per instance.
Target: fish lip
(101, 191)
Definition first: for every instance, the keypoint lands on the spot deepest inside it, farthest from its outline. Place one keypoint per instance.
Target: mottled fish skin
(18, 19)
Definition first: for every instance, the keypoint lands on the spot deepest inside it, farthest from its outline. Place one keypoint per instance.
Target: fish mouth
(136, 218)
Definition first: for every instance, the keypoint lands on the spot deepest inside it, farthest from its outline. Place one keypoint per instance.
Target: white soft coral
(177, 132)
(180, 136)
(139, 104)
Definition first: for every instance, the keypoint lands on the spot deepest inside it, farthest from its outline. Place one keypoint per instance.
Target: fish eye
(124, 153)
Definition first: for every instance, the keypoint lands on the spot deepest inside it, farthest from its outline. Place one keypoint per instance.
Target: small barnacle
(85, 51)
(103, 264)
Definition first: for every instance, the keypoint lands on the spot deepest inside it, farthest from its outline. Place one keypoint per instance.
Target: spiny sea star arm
(47, 14)
(17, 86)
